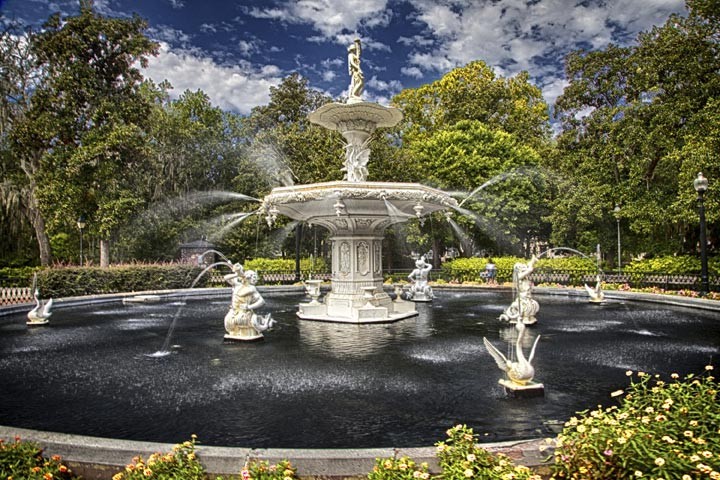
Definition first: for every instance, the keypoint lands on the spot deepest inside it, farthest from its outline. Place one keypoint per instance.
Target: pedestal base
(531, 389)
(244, 338)
(36, 323)
(420, 297)
(345, 308)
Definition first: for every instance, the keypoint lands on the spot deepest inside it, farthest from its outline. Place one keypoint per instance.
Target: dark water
(313, 384)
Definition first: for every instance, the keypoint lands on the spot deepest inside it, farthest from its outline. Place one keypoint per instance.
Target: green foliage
(403, 468)
(76, 281)
(634, 135)
(468, 269)
(262, 470)
(181, 463)
(24, 460)
(681, 264)
(267, 265)
(660, 429)
(461, 458)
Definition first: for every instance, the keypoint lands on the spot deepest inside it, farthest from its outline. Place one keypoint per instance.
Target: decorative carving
(377, 256)
(341, 223)
(363, 258)
(344, 258)
(363, 223)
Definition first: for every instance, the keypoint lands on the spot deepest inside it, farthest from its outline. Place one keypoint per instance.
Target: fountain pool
(331, 385)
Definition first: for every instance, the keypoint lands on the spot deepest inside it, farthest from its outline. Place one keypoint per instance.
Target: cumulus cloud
(515, 35)
(239, 88)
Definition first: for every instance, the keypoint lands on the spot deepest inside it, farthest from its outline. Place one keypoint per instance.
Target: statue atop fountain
(241, 321)
(356, 211)
(519, 370)
(357, 79)
(524, 307)
(420, 290)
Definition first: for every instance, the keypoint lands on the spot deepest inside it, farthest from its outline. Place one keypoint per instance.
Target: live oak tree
(83, 132)
(638, 125)
(472, 127)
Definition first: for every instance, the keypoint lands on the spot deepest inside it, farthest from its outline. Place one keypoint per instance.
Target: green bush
(262, 470)
(78, 281)
(468, 269)
(403, 468)
(668, 430)
(267, 265)
(460, 458)
(24, 460)
(181, 463)
(673, 265)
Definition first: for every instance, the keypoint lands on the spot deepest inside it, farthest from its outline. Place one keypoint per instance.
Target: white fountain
(356, 211)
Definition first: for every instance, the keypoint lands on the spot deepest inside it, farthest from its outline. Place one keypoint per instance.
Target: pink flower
(608, 453)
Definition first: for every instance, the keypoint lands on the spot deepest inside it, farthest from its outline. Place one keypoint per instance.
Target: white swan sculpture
(520, 372)
(596, 294)
(40, 315)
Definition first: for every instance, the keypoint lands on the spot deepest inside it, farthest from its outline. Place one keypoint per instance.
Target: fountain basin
(326, 385)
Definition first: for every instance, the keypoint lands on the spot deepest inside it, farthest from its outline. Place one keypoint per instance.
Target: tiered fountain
(356, 212)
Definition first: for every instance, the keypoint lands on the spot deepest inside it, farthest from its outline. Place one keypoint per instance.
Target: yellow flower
(117, 476)
(649, 410)
(617, 393)
(668, 439)
(688, 433)
(686, 477)
(674, 375)
(638, 473)
(694, 458)
(659, 461)
(581, 428)
(147, 472)
(707, 454)
(629, 373)
(417, 474)
(709, 367)
(468, 473)
(693, 423)
(621, 440)
(471, 457)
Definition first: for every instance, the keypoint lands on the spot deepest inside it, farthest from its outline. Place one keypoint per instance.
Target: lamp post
(81, 225)
(701, 185)
(616, 210)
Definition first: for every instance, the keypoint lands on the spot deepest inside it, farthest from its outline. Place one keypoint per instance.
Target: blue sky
(235, 50)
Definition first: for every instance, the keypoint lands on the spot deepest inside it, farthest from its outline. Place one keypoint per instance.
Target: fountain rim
(389, 188)
(96, 455)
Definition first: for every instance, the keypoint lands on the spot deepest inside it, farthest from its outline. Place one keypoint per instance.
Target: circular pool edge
(96, 457)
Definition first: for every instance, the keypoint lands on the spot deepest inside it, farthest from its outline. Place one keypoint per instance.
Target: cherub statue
(524, 307)
(241, 321)
(420, 290)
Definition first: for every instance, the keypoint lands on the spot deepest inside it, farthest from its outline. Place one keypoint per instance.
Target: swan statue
(40, 315)
(596, 294)
(520, 372)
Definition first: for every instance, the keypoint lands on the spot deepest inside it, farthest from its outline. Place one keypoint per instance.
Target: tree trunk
(104, 253)
(41, 234)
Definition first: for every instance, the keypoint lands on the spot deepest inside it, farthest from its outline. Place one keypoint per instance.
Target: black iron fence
(19, 290)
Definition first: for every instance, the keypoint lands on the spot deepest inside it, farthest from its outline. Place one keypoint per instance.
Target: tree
(18, 189)
(468, 155)
(83, 133)
(474, 92)
(471, 127)
(634, 134)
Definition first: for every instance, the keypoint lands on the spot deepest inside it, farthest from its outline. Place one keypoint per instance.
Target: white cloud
(168, 34)
(328, 75)
(238, 88)
(514, 35)
(176, 4)
(392, 86)
(414, 72)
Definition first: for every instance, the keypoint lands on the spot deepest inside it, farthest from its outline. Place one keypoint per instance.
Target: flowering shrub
(182, 462)
(24, 460)
(399, 469)
(461, 458)
(660, 430)
(264, 471)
